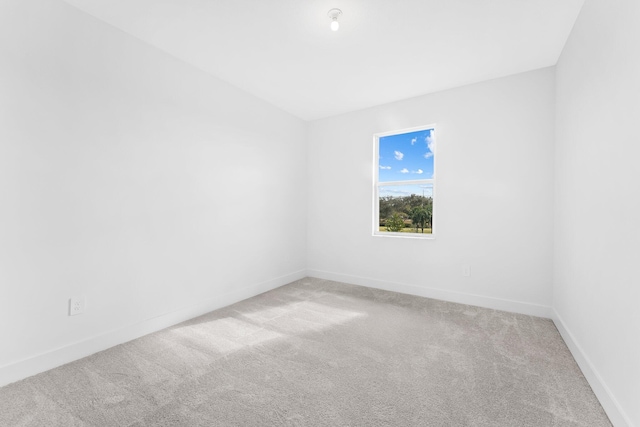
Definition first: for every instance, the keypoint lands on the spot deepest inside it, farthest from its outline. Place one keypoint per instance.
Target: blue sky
(425, 190)
(407, 156)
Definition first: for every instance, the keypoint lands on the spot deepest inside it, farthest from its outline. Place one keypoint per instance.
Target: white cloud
(431, 143)
(427, 155)
(419, 171)
(429, 190)
(405, 170)
(385, 167)
(388, 190)
(413, 141)
(398, 155)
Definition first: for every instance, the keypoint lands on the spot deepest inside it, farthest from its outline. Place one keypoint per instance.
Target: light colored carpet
(321, 353)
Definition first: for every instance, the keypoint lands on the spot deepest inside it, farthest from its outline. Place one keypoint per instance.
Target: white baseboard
(614, 411)
(441, 294)
(60, 356)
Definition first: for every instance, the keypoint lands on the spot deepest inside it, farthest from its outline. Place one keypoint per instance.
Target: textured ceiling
(284, 52)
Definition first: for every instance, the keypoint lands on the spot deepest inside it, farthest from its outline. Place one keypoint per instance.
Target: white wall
(494, 196)
(597, 247)
(127, 176)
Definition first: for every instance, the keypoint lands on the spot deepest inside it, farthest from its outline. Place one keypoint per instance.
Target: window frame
(377, 184)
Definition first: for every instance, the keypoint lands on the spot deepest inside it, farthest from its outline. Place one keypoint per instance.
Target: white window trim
(376, 184)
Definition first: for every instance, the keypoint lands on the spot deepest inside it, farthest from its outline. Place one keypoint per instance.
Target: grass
(406, 230)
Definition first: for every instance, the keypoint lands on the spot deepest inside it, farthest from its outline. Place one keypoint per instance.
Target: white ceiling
(284, 52)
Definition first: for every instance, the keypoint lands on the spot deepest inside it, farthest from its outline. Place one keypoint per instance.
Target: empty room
(319, 213)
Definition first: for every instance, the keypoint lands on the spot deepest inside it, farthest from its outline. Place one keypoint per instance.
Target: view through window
(405, 182)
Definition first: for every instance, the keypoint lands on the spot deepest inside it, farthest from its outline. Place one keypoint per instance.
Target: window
(404, 183)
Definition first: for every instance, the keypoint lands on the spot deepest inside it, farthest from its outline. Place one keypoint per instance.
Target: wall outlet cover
(76, 305)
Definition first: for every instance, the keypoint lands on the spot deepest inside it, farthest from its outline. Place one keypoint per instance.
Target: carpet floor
(321, 353)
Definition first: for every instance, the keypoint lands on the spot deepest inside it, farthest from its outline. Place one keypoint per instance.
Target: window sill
(406, 236)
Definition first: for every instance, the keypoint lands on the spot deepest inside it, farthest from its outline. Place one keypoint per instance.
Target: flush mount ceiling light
(333, 15)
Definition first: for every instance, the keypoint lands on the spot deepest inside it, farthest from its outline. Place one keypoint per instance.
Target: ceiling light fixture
(333, 15)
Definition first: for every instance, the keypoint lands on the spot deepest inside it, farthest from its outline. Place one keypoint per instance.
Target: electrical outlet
(466, 270)
(76, 305)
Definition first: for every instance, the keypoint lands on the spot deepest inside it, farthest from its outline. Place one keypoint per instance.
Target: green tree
(429, 209)
(395, 223)
(404, 206)
(419, 216)
(386, 206)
